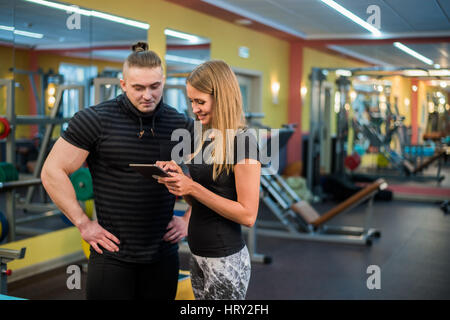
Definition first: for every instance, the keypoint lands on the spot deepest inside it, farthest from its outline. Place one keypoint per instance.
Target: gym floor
(412, 253)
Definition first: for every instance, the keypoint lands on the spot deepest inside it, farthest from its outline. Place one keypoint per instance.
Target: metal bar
(279, 190)
(48, 133)
(252, 246)
(3, 279)
(35, 92)
(287, 188)
(40, 120)
(389, 176)
(18, 184)
(38, 216)
(314, 102)
(278, 213)
(270, 224)
(7, 255)
(98, 82)
(342, 230)
(36, 207)
(11, 115)
(268, 187)
(369, 212)
(28, 231)
(10, 214)
(10, 154)
(359, 240)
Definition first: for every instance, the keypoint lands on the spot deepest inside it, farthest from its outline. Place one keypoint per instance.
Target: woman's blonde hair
(216, 78)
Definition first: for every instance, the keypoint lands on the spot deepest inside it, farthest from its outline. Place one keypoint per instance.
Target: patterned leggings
(224, 278)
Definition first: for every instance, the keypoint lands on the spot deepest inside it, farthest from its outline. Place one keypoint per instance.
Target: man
(134, 241)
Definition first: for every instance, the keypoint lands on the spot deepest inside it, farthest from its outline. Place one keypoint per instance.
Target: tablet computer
(149, 170)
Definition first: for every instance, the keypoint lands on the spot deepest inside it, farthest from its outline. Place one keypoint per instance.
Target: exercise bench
(299, 220)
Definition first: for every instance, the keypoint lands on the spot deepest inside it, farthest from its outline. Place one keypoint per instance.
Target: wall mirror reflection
(183, 53)
(55, 59)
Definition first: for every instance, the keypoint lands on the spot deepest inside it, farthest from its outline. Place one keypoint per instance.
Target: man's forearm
(60, 189)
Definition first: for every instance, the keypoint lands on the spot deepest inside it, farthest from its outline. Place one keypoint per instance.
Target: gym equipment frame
(8, 255)
(44, 210)
(298, 220)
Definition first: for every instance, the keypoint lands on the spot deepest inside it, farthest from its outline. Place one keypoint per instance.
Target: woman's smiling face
(202, 104)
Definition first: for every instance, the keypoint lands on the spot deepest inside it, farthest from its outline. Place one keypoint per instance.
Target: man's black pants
(109, 278)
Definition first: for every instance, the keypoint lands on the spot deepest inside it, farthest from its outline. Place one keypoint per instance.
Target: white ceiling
(306, 19)
(313, 19)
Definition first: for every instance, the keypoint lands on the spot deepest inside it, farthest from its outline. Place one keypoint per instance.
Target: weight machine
(298, 220)
(349, 128)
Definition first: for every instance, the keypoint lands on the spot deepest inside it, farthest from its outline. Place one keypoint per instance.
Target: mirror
(183, 53)
(7, 86)
(62, 58)
(111, 44)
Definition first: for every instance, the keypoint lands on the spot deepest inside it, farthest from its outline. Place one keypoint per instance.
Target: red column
(414, 112)
(294, 151)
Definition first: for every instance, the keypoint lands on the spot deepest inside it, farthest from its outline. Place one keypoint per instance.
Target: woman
(224, 187)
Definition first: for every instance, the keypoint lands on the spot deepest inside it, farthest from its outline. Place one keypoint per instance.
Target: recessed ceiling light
(22, 32)
(93, 13)
(439, 73)
(353, 17)
(413, 53)
(174, 58)
(243, 22)
(182, 35)
(415, 73)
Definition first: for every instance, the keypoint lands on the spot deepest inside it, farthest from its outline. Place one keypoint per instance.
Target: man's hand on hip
(95, 235)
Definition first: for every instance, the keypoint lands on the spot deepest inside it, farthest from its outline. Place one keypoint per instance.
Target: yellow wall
(267, 54)
(6, 58)
(422, 108)
(314, 58)
(401, 89)
(19, 59)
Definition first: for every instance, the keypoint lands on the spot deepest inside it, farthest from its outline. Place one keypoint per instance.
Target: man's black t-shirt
(132, 207)
(210, 234)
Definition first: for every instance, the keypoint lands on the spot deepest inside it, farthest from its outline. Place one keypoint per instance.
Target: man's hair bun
(142, 57)
(139, 47)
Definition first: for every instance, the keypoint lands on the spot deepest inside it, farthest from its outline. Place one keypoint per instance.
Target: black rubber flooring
(413, 254)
